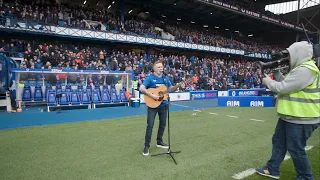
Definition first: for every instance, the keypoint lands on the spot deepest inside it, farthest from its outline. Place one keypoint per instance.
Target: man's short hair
(158, 62)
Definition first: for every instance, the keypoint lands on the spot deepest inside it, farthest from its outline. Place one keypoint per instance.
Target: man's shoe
(266, 172)
(146, 151)
(162, 145)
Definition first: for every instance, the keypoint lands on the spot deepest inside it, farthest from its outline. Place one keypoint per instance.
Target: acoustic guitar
(160, 91)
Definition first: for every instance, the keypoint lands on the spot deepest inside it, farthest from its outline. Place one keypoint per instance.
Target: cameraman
(299, 109)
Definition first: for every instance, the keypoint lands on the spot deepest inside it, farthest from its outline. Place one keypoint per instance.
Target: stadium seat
(79, 87)
(58, 88)
(38, 95)
(26, 94)
(95, 96)
(68, 87)
(68, 91)
(122, 96)
(32, 83)
(97, 87)
(75, 98)
(114, 97)
(48, 87)
(112, 87)
(59, 91)
(89, 89)
(64, 100)
(51, 98)
(105, 87)
(105, 97)
(84, 97)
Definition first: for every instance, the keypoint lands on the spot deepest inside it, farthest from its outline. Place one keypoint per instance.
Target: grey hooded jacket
(298, 79)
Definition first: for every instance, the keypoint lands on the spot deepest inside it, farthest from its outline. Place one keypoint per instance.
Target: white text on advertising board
(257, 103)
(233, 103)
(200, 95)
(247, 93)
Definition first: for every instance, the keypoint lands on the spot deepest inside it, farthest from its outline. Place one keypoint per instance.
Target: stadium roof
(287, 7)
(308, 16)
(309, 11)
(198, 14)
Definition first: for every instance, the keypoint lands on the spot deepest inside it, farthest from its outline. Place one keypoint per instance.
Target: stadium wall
(236, 97)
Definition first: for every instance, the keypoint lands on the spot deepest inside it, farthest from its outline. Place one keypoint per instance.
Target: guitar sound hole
(160, 94)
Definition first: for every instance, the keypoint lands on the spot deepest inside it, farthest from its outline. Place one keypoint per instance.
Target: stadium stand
(208, 72)
(65, 15)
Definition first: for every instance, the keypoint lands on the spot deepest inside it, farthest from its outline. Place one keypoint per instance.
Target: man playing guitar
(153, 81)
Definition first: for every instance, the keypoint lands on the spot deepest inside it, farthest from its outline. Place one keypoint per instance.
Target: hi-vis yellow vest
(304, 103)
(135, 84)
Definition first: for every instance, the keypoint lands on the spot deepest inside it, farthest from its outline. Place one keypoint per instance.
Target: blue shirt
(154, 81)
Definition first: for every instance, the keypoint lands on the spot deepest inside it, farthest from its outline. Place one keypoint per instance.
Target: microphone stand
(169, 149)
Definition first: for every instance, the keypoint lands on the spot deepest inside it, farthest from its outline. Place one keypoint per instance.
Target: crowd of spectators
(207, 73)
(75, 16)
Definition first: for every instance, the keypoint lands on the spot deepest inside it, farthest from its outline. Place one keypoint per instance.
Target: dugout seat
(79, 87)
(97, 87)
(64, 100)
(48, 87)
(84, 97)
(68, 86)
(122, 95)
(38, 95)
(75, 100)
(89, 89)
(96, 97)
(26, 93)
(51, 98)
(58, 86)
(114, 96)
(105, 96)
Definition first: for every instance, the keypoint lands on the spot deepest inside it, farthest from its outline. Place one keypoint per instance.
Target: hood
(300, 52)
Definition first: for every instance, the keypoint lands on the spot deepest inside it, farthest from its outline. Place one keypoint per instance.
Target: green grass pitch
(214, 146)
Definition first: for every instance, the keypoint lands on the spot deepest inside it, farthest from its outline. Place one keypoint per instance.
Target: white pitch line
(307, 148)
(251, 171)
(213, 113)
(244, 174)
(233, 116)
(256, 120)
(182, 105)
(286, 157)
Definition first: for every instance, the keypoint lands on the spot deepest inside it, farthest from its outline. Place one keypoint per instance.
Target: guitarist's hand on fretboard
(184, 83)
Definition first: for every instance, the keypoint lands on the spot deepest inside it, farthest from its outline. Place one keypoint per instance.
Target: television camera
(282, 60)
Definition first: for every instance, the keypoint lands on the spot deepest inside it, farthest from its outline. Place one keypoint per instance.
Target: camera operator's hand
(275, 71)
(266, 80)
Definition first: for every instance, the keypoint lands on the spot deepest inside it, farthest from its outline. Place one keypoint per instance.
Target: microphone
(163, 73)
(164, 77)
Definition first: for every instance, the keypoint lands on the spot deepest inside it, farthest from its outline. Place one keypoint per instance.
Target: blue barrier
(201, 95)
(246, 101)
(245, 92)
(71, 71)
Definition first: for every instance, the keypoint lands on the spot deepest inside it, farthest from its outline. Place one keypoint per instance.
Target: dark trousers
(152, 112)
(13, 102)
(292, 138)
